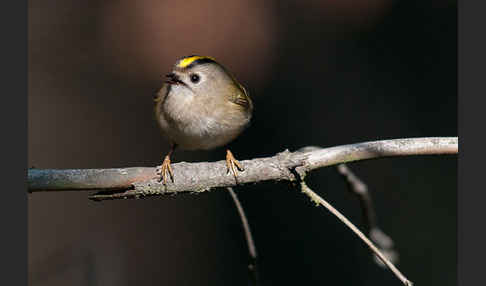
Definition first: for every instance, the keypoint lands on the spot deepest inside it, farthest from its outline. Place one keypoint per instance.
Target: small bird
(201, 106)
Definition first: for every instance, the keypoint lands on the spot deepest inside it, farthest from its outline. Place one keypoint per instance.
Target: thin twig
(359, 188)
(320, 201)
(253, 263)
(136, 182)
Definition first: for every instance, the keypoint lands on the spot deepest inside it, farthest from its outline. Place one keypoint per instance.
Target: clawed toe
(165, 170)
(233, 164)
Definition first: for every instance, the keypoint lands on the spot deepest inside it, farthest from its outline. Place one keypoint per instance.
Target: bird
(201, 106)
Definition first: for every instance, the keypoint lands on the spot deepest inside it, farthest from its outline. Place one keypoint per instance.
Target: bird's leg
(232, 163)
(165, 169)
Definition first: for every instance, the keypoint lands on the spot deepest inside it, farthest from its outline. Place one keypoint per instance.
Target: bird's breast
(200, 125)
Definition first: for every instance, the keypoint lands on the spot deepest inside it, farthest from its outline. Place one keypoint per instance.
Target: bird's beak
(172, 78)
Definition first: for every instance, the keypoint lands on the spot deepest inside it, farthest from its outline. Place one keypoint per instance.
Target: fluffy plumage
(201, 105)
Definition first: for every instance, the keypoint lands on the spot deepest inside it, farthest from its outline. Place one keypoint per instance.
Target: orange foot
(165, 170)
(232, 164)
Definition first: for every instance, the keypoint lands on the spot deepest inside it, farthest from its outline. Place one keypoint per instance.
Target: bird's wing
(242, 99)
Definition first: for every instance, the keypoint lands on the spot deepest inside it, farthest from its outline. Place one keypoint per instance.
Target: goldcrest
(201, 106)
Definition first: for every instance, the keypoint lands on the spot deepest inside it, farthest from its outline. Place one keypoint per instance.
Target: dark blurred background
(321, 73)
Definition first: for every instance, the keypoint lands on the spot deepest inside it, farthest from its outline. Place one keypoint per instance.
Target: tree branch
(253, 261)
(320, 201)
(199, 177)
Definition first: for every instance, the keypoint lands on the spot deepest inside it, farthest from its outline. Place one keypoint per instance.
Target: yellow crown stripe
(189, 60)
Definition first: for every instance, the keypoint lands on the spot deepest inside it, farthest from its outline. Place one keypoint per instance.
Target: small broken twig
(359, 188)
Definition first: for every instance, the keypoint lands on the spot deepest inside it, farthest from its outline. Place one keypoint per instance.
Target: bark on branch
(137, 182)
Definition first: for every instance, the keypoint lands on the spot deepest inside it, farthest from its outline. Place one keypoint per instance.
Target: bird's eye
(195, 78)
